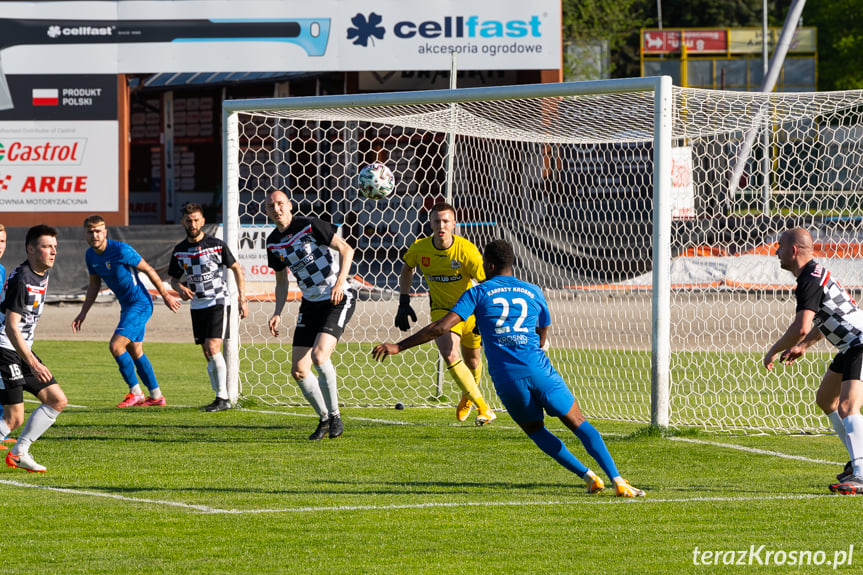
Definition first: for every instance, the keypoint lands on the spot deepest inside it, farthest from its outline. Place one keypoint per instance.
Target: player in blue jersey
(118, 264)
(513, 318)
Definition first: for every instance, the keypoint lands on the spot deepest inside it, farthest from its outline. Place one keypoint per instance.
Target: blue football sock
(127, 369)
(552, 446)
(595, 446)
(146, 373)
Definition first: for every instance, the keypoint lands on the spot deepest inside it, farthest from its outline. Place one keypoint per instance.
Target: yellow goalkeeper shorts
(465, 330)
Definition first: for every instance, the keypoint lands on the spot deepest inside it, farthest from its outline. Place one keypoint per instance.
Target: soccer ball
(376, 181)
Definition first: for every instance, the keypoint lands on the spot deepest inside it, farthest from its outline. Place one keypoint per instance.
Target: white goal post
(616, 195)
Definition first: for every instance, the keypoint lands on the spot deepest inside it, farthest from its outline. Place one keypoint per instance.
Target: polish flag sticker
(46, 97)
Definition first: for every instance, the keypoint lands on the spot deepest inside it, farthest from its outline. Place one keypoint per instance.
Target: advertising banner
(58, 145)
(696, 41)
(269, 35)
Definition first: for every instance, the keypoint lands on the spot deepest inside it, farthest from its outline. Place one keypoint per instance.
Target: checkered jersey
(2, 288)
(304, 248)
(836, 314)
(25, 295)
(204, 264)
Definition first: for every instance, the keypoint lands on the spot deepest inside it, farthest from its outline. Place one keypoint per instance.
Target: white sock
(839, 427)
(854, 429)
(38, 423)
(136, 389)
(312, 392)
(218, 373)
(328, 382)
(232, 380)
(4, 429)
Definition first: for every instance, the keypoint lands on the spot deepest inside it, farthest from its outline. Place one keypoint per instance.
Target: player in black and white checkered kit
(303, 246)
(826, 310)
(198, 273)
(20, 369)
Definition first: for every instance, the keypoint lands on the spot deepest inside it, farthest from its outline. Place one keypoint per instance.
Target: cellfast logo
(55, 31)
(450, 28)
(470, 27)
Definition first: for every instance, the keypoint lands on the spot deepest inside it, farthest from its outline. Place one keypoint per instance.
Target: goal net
(665, 291)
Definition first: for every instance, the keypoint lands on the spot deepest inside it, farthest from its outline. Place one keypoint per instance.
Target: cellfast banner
(288, 35)
(59, 61)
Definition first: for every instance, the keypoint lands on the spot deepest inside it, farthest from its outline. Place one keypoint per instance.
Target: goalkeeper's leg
(463, 376)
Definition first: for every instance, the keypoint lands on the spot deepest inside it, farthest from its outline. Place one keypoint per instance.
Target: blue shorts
(525, 399)
(133, 321)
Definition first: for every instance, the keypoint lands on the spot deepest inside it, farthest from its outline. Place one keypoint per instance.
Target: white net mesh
(569, 181)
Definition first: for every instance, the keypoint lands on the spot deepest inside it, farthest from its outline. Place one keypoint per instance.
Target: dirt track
(700, 321)
(165, 326)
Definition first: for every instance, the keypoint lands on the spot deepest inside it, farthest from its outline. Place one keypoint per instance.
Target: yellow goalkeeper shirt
(448, 273)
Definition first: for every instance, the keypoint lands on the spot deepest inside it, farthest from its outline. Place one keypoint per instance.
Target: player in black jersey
(198, 271)
(20, 368)
(826, 310)
(302, 245)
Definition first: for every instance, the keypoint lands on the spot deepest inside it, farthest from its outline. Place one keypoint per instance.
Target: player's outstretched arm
(796, 352)
(796, 333)
(92, 292)
(426, 334)
(185, 293)
(170, 301)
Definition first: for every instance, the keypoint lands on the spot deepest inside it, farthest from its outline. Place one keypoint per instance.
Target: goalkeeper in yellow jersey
(451, 265)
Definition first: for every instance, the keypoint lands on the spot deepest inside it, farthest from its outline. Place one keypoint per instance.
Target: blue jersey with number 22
(508, 312)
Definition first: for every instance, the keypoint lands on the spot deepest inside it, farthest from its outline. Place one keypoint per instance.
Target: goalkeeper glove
(405, 312)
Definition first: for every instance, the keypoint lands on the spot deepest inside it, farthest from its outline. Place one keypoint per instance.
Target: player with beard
(198, 271)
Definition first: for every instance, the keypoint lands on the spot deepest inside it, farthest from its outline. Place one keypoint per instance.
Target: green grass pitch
(177, 490)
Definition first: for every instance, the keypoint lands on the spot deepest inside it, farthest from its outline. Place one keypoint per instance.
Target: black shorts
(849, 363)
(322, 317)
(211, 323)
(15, 377)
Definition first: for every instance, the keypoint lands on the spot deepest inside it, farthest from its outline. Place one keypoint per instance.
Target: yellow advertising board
(748, 40)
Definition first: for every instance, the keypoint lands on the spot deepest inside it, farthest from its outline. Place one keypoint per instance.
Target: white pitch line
(67, 405)
(329, 509)
(753, 450)
(201, 508)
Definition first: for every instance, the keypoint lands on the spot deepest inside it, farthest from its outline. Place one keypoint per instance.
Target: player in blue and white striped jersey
(513, 319)
(826, 310)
